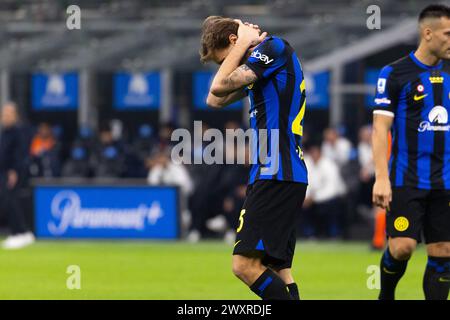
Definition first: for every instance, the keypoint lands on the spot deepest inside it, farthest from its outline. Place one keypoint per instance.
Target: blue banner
(371, 78)
(106, 212)
(137, 91)
(317, 90)
(54, 91)
(201, 84)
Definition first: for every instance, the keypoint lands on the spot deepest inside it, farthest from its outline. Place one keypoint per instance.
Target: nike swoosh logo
(444, 279)
(236, 243)
(388, 272)
(417, 98)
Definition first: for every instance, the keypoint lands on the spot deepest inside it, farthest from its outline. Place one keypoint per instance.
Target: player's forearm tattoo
(242, 72)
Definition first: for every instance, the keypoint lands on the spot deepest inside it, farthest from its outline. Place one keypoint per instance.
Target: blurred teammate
(13, 156)
(413, 96)
(268, 71)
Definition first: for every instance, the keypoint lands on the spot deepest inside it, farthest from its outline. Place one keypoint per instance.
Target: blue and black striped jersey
(278, 105)
(418, 97)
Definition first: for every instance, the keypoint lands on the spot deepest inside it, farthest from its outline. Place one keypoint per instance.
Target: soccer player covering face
(413, 98)
(267, 70)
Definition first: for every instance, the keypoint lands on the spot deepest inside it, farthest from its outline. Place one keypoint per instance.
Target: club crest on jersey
(437, 120)
(420, 88)
(381, 85)
(263, 57)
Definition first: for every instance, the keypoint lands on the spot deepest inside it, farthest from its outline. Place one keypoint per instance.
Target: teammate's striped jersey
(418, 97)
(277, 101)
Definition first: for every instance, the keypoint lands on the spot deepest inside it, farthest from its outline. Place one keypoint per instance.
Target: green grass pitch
(177, 270)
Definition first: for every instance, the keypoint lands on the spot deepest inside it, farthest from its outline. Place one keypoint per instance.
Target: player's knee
(403, 249)
(440, 249)
(243, 267)
(240, 267)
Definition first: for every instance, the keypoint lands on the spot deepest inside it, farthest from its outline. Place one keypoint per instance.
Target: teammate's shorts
(416, 211)
(267, 221)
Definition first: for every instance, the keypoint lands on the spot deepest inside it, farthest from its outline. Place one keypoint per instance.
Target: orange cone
(379, 235)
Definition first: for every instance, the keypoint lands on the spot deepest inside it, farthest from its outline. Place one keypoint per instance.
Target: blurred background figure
(205, 201)
(336, 147)
(77, 164)
(13, 175)
(367, 169)
(163, 140)
(44, 152)
(163, 172)
(323, 203)
(108, 157)
(144, 141)
(235, 189)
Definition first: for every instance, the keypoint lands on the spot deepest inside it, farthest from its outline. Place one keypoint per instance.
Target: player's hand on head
(254, 26)
(250, 34)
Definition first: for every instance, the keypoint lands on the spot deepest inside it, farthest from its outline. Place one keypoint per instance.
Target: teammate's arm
(230, 75)
(219, 102)
(382, 191)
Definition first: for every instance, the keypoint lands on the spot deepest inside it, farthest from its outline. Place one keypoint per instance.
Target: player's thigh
(437, 220)
(405, 218)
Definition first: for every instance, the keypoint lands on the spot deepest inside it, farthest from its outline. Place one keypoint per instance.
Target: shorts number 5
(241, 220)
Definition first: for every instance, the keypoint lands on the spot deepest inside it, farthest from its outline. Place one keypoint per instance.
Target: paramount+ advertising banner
(106, 212)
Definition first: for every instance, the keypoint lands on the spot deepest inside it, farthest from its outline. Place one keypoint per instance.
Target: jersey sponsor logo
(437, 120)
(420, 88)
(382, 101)
(401, 224)
(436, 79)
(381, 85)
(260, 56)
(417, 98)
(438, 115)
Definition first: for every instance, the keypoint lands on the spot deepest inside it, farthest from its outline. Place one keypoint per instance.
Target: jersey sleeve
(267, 57)
(387, 91)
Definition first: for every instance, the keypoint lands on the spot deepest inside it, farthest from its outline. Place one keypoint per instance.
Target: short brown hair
(435, 11)
(216, 31)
